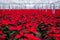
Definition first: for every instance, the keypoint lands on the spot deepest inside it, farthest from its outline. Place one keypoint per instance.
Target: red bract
(31, 37)
(33, 29)
(12, 28)
(1, 32)
(2, 37)
(15, 28)
(5, 22)
(17, 36)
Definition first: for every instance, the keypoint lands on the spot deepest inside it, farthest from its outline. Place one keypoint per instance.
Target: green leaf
(50, 39)
(15, 39)
(4, 28)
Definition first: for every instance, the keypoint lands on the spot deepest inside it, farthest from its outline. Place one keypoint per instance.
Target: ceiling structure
(28, 1)
(28, 4)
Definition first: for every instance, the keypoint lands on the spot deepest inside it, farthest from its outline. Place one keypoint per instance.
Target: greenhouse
(29, 19)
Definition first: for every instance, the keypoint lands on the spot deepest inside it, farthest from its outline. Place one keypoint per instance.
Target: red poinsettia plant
(29, 25)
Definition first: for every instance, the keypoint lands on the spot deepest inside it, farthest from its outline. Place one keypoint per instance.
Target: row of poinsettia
(29, 26)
